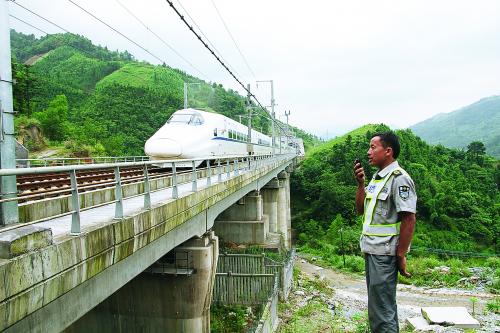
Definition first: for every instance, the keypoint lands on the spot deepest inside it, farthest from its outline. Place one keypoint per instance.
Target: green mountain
(458, 198)
(477, 122)
(98, 101)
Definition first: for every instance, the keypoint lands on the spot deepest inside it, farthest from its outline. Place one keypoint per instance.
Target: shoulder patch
(404, 192)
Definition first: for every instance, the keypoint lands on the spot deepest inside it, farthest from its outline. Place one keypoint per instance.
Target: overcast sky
(336, 65)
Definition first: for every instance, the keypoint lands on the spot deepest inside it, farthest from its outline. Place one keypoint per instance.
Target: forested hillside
(458, 193)
(477, 122)
(95, 101)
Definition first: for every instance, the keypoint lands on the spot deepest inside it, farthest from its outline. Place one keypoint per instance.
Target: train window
(180, 118)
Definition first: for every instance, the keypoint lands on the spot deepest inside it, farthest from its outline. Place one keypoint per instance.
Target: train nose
(163, 148)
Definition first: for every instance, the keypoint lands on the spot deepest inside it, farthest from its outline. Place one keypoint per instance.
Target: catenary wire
(161, 39)
(205, 44)
(233, 39)
(203, 34)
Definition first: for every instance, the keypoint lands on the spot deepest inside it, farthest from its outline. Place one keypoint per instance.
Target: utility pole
(9, 213)
(185, 95)
(273, 115)
(186, 86)
(249, 108)
(287, 113)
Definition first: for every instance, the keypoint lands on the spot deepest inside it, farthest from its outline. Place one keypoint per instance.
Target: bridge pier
(173, 295)
(244, 222)
(270, 199)
(284, 213)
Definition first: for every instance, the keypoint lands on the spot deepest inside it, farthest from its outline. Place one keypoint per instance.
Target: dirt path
(351, 292)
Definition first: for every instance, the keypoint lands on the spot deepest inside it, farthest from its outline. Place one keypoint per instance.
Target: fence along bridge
(76, 249)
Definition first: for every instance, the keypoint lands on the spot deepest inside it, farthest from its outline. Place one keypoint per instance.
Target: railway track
(41, 186)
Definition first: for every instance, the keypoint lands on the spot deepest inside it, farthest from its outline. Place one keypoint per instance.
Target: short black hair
(389, 139)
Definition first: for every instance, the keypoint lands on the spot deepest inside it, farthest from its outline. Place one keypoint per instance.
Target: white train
(191, 133)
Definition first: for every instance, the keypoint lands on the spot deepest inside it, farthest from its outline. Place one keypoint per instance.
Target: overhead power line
(161, 39)
(219, 59)
(234, 40)
(118, 32)
(28, 24)
(203, 34)
(69, 32)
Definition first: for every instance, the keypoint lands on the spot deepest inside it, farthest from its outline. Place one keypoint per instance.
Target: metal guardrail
(238, 163)
(61, 161)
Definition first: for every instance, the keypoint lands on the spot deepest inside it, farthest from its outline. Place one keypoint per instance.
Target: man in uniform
(388, 205)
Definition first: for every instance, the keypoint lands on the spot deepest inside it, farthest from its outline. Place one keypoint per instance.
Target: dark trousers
(381, 279)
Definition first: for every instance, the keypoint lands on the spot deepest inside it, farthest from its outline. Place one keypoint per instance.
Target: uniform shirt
(397, 195)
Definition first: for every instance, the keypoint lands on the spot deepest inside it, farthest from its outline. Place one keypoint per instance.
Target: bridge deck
(106, 213)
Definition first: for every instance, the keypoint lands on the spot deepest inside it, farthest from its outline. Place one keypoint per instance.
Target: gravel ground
(350, 292)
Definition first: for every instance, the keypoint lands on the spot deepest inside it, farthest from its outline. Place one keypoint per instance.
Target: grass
(230, 319)
(493, 305)
(424, 269)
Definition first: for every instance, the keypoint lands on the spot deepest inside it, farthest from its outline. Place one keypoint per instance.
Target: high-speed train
(191, 133)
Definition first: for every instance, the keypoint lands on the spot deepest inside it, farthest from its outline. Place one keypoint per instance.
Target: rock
(443, 269)
(419, 324)
(303, 261)
(314, 258)
(474, 279)
(450, 316)
(299, 293)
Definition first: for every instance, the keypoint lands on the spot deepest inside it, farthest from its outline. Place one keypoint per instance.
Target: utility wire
(118, 32)
(28, 24)
(250, 94)
(43, 18)
(161, 39)
(203, 34)
(69, 32)
(234, 40)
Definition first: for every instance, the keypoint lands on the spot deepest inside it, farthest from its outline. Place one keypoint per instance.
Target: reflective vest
(372, 193)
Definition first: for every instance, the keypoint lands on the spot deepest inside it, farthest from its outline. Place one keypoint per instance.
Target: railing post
(219, 175)
(228, 174)
(75, 204)
(209, 174)
(118, 194)
(175, 194)
(147, 188)
(194, 178)
(236, 167)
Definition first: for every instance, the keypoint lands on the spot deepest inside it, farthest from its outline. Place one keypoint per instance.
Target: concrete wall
(156, 302)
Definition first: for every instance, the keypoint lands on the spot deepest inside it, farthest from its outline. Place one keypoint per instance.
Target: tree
(54, 119)
(476, 151)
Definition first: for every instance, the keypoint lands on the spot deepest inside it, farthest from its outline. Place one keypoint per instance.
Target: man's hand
(401, 261)
(359, 173)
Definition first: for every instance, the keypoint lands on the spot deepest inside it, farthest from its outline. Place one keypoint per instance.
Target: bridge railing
(61, 161)
(222, 167)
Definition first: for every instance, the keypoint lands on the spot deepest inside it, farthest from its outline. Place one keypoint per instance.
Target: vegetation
(478, 121)
(458, 202)
(105, 102)
(230, 319)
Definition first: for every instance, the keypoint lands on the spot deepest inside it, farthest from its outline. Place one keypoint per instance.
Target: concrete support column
(283, 208)
(243, 222)
(288, 213)
(270, 203)
(173, 295)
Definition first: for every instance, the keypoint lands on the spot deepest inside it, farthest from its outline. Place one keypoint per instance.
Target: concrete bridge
(73, 252)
